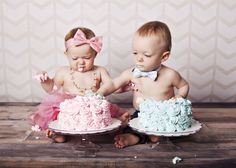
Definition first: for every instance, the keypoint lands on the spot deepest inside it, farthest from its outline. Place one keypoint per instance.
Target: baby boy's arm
(123, 80)
(181, 84)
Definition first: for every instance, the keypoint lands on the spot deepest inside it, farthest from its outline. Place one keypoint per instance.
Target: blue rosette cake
(173, 115)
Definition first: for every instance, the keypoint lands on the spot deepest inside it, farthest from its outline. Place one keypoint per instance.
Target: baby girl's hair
(157, 28)
(81, 35)
(88, 33)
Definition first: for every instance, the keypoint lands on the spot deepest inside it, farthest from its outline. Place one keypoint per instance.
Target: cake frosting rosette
(84, 113)
(173, 115)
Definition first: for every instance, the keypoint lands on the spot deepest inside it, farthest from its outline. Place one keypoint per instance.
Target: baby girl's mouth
(80, 69)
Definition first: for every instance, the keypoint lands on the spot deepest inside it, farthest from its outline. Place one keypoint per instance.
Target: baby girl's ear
(165, 56)
(65, 53)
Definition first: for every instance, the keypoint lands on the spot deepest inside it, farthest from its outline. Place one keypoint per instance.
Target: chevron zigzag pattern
(204, 40)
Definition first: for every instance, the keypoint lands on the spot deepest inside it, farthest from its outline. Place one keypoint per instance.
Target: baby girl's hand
(41, 77)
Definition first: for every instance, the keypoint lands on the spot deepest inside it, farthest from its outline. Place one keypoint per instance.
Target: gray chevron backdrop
(204, 40)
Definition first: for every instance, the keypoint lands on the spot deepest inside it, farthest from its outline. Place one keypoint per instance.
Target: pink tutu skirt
(48, 110)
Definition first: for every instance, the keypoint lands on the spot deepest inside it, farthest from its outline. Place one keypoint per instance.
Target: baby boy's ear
(165, 56)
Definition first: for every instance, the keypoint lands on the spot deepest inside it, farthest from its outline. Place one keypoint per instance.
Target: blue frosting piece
(90, 93)
(171, 115)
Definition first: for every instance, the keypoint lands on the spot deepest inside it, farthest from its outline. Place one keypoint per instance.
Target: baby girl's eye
(135, 53)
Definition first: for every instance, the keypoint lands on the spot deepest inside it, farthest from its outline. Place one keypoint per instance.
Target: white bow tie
(151, 74)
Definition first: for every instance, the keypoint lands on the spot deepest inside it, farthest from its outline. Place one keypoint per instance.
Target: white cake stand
(137, 126)
(85, 141)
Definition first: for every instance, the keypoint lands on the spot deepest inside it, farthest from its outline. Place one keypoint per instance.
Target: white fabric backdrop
(204, 40)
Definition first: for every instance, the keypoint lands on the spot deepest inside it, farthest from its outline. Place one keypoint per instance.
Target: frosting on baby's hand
(42, 77)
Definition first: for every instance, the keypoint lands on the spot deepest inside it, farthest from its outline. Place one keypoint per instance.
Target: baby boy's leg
(154, 138)
(123, 140)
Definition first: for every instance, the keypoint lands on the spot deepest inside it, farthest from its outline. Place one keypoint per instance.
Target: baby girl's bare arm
(107, 84)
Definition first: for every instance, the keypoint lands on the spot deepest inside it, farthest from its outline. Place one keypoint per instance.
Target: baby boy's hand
(129, 87)
(124, 118)
(41, 77)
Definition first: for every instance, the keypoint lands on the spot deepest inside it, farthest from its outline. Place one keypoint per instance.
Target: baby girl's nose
(80, 61)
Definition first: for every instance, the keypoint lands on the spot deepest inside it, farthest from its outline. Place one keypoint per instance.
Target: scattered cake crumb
(35, 128)
(176, 159)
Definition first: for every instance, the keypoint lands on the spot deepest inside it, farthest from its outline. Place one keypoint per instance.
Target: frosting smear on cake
(84, 113)
(171, 115)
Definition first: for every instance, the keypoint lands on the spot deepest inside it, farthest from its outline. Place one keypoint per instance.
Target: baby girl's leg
(123, 140)
(55, 137)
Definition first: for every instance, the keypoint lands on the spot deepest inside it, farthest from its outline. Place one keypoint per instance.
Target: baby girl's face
(81, 58)
(147, 52)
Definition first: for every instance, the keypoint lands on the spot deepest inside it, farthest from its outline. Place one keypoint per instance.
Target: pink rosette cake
(84, 113)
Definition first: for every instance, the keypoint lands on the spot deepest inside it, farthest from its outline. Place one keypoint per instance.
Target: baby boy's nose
(140, 58)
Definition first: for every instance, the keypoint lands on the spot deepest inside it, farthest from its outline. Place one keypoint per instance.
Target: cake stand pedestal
(165, 136)
(84, 141)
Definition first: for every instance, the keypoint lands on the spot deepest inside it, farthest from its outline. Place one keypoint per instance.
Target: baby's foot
(55, 137)
(124, 140)
(154, 139)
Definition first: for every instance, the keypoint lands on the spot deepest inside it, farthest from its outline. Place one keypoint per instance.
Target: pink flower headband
(79, 39)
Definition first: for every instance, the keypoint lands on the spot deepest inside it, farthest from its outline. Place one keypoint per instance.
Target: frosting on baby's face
(81, 58)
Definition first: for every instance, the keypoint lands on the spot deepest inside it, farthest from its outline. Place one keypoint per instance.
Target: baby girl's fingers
(45, 76)
(41, 77)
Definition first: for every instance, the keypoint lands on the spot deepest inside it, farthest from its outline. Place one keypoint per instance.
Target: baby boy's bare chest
(150, 87)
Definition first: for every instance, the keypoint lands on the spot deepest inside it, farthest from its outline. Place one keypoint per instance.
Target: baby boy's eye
(146, 55)
(135, 53)
(75, 58)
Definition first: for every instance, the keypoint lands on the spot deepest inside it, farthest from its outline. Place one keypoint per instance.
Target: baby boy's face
(147, 52)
